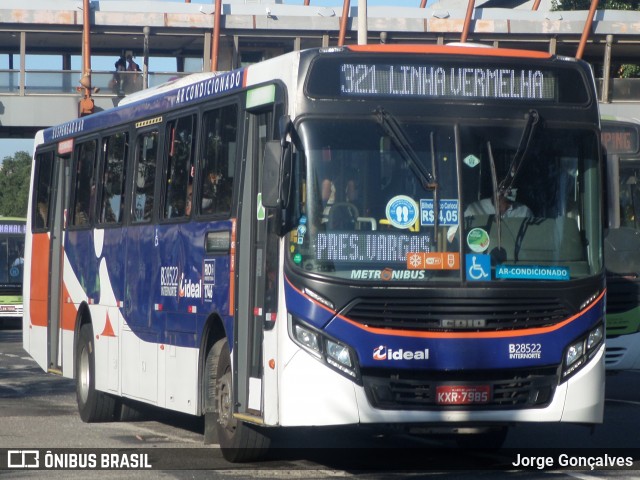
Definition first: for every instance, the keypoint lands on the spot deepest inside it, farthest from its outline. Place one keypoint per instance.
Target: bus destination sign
(447, 82)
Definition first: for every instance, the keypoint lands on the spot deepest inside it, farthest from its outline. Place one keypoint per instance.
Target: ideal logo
(189, 289)
(384, 353)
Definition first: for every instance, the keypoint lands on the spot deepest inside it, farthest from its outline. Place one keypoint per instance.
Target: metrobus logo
(384, 353)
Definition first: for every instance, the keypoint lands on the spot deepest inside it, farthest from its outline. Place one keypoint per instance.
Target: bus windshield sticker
(447, 213)
(471, 161)
(209, 278)
(388, 275)
(433, 261)
(532, 272)
(478, 267)
(369, 247)
(478, 240)
(402, 211)
(260, 213)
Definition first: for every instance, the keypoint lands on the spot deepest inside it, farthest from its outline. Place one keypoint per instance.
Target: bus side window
(144, 176)
(44, 177)
(179, 150)
(112, 197)
(218, 160)
(84, 191)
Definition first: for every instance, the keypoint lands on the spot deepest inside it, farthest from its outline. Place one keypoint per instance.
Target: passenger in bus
(189, 201)
(42, 217)
(508, 207)
(216, 193)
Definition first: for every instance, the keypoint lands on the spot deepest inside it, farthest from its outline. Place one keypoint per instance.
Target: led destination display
(439, 81)
(369, 247)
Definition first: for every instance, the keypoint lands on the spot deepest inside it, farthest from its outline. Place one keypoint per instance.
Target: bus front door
(256, 291)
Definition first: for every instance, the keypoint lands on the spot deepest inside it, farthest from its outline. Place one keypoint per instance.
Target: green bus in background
(12, 235)
(621, 140)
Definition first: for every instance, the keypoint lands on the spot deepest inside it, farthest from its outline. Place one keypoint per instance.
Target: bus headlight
(331, 352)
(581, 351)
(339, 353)
(307, 338)
(574, 353)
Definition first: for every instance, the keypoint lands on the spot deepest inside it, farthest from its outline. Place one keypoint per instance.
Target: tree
(626, 70)
(15, 174)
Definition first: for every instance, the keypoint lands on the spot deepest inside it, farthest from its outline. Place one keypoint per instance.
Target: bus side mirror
(276, 174)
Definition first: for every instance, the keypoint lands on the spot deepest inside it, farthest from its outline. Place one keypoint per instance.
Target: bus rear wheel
(93, 405)
(239, 441)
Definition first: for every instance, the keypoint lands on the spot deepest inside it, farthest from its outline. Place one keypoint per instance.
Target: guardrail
(65, 82)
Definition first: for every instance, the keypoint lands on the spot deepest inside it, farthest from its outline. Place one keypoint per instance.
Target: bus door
(57, 206)
(257, 257)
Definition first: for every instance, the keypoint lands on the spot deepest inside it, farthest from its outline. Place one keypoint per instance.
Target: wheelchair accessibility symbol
(478, 267)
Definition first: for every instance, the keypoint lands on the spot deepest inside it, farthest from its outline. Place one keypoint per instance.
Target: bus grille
(623, 294)
(457, 314)
(413, 391)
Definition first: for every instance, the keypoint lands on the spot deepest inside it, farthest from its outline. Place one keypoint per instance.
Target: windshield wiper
(523, 147)
(397, 135)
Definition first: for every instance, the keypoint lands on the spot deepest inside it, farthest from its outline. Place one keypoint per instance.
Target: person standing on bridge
(132, 80)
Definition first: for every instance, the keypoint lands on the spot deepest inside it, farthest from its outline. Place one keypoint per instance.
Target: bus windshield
(412, 201)
(11, 256)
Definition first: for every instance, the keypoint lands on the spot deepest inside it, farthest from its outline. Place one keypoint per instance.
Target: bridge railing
(65, 82)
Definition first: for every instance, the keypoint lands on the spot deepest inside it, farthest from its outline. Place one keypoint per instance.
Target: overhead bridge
(41, 42)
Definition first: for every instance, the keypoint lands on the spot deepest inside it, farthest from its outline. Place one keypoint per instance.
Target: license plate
(462, 394)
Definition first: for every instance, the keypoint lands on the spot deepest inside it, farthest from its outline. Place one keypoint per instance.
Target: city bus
(12, 236)
(622, 243)
(289, 244)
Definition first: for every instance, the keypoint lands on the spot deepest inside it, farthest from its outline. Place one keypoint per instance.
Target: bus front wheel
(239, 441)
(93, 405)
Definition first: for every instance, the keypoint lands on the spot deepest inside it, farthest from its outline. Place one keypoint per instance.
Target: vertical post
(536, 4)
(467, 21)
(423, 3)
(587, 28)
(216, 36)
(23, 61)
(343, 22)
(306, 2)
(362, 22)
(606, 70)
(145, 62)
(206, 54)
(86, 103)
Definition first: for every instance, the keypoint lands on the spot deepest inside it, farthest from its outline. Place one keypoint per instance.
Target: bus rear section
(622, 242)
(410, 236)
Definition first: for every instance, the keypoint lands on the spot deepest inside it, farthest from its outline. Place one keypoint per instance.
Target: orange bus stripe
(492, 334)
(449, 50)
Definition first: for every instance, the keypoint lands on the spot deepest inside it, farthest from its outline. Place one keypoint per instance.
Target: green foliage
(602, 5)
(15, 173)
(629, 70)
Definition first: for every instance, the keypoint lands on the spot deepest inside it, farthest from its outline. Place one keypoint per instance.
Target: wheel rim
(225, 413)
(84, 375)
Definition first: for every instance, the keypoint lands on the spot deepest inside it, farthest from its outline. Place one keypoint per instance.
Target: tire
(239, 441)
(491, 439)
(132, 411)
(93, 405)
